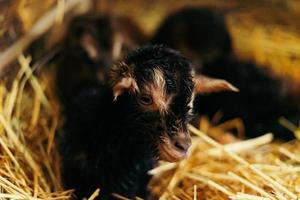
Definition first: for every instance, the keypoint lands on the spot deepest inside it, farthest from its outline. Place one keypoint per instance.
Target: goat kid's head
(162, 86)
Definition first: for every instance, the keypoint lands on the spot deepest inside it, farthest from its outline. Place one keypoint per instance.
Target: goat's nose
(182, 142)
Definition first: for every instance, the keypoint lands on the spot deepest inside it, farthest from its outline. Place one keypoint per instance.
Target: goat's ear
(122, 80)
(204, 84)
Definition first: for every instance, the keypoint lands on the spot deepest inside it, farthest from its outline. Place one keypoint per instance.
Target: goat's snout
(182, 142)
(175, 148)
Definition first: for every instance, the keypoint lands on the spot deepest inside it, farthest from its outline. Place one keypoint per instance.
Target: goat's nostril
(181, 145)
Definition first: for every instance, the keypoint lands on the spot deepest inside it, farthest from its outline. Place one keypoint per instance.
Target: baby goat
(115, 133)
(92, 44)
(200, 33)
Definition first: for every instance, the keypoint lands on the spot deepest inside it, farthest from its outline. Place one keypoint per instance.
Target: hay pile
(247, 170)
(29, 117)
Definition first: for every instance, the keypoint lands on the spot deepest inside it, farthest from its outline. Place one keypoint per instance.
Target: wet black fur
(261, 100)
(112, 145)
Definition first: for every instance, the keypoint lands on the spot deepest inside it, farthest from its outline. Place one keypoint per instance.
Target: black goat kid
(93, 43)
(200, 33)
(115, 133)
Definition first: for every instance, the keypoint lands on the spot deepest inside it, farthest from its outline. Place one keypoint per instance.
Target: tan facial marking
(157, 89)
(90, 45)
(191, 103)
(159, 93)
(117, 46)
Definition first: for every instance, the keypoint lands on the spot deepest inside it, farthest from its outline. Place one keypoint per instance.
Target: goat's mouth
(173, 151)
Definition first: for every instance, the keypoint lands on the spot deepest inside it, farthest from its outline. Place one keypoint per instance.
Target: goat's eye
(146, 99)
(169, 83)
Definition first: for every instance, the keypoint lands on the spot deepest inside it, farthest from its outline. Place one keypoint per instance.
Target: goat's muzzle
(174, 149)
